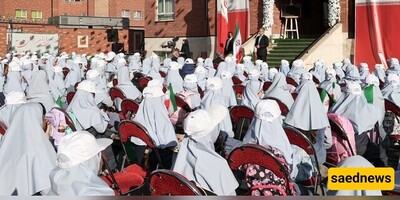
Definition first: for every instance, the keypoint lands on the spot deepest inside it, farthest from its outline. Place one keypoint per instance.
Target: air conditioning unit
(80, 21)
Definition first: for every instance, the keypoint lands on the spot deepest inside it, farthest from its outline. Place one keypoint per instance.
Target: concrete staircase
(287, 49)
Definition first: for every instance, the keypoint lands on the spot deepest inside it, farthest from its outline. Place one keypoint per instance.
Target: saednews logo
(361, 179)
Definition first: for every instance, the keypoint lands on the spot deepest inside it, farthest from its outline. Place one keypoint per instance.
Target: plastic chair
(166, 182)
(201, 92)
(76, 86)
(266, 86)
(291, 81)
(284, 109)
(115, 82)
(116, 93)
(123, 183)
(129, 107)
(294, 95)
(297, 138)
(239, 89)
(128, 129)
(180, 102)
(143, 81)
(258, 155)
(3, 128)
(237, 113)
(70, 96)
(236, 80)
(68, 119)
(65, 71)
(162, 74)
(315, 80)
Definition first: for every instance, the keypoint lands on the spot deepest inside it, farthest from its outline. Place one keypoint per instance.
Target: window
(165, 11)
(137, 15)
(37, 14)
(126, 14)
(21, 14)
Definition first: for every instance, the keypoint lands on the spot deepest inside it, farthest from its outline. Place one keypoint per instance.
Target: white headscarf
(39, 90)
(125, 84)
(26, 154)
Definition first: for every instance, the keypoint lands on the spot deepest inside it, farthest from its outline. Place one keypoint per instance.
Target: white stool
(291, 29)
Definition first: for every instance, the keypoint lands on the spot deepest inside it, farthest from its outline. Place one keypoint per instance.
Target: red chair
(201, 92)
(237, 113)
(236, 80)
(290, 81)
(258, 155)
(143, 81)
(164, 89)
(70, 96)
(123, 183)
(116, 93)
(294, 95)
(166, 182)
(282, 106)
(180, 102)
(245, 74)
(3, 128)
(266, 86)
(315, 80)
(341, 133)
(68, 119)
(392, 107)
(76, 86)
(115, 82)
(239, 89)
(342, 85)
(65, 71)
(129, 107)
(163, 74)
(128, 129)
(299, 139)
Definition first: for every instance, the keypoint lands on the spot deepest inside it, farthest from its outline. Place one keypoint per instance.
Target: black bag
(389, 122)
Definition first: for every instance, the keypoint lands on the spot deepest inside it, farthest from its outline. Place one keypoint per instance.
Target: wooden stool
(291, 29)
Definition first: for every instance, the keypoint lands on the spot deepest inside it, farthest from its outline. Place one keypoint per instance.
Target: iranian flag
(237, 44)
(222, 22)
(229, 13)
(377, 31)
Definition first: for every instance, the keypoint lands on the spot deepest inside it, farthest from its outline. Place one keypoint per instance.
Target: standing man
(261, 44)
(228, 45)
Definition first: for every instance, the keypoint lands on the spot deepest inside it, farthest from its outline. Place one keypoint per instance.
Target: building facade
(196, 22)
(31, 17)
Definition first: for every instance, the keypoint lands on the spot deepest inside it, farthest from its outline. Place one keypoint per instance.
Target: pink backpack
(340, 148)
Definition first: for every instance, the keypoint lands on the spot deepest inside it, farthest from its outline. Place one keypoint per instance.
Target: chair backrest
(143, 81)
(238, 89)
(70, 96)
(342, 85)
(315, 80)
(166, 182)
(299, 139)
(65, 71)
(129, 107)
(201, 92)
(291, 81)
(76, 86)
(3, 128)
(236, 80)
(294, 95)
(257, 155)
(266, 85)
(282, 106)
(68, 119)
(116, 93)
(163, 74)
(237, 112)
(180, 102)
(115, 82)
(391, 106)
(129, 129)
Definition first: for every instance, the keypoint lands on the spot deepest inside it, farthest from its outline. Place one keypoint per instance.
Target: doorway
(136, 41)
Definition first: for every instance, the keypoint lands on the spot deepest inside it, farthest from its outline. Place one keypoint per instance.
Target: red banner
(238, 11)
(377, 31)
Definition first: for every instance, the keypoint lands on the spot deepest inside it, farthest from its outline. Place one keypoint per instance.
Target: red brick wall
(8, 7)
(190, 19)
(117, 6)
(68, 38)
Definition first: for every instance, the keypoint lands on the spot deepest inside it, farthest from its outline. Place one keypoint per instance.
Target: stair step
(286, 47)
(287, 50)
(294, 40)
(283, 54)
(278, 59)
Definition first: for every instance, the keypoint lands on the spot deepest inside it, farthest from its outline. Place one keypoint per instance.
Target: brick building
(196, 21)
(32, 17)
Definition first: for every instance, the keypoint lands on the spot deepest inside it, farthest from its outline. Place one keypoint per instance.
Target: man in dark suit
(261, 44)
(229, 45)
